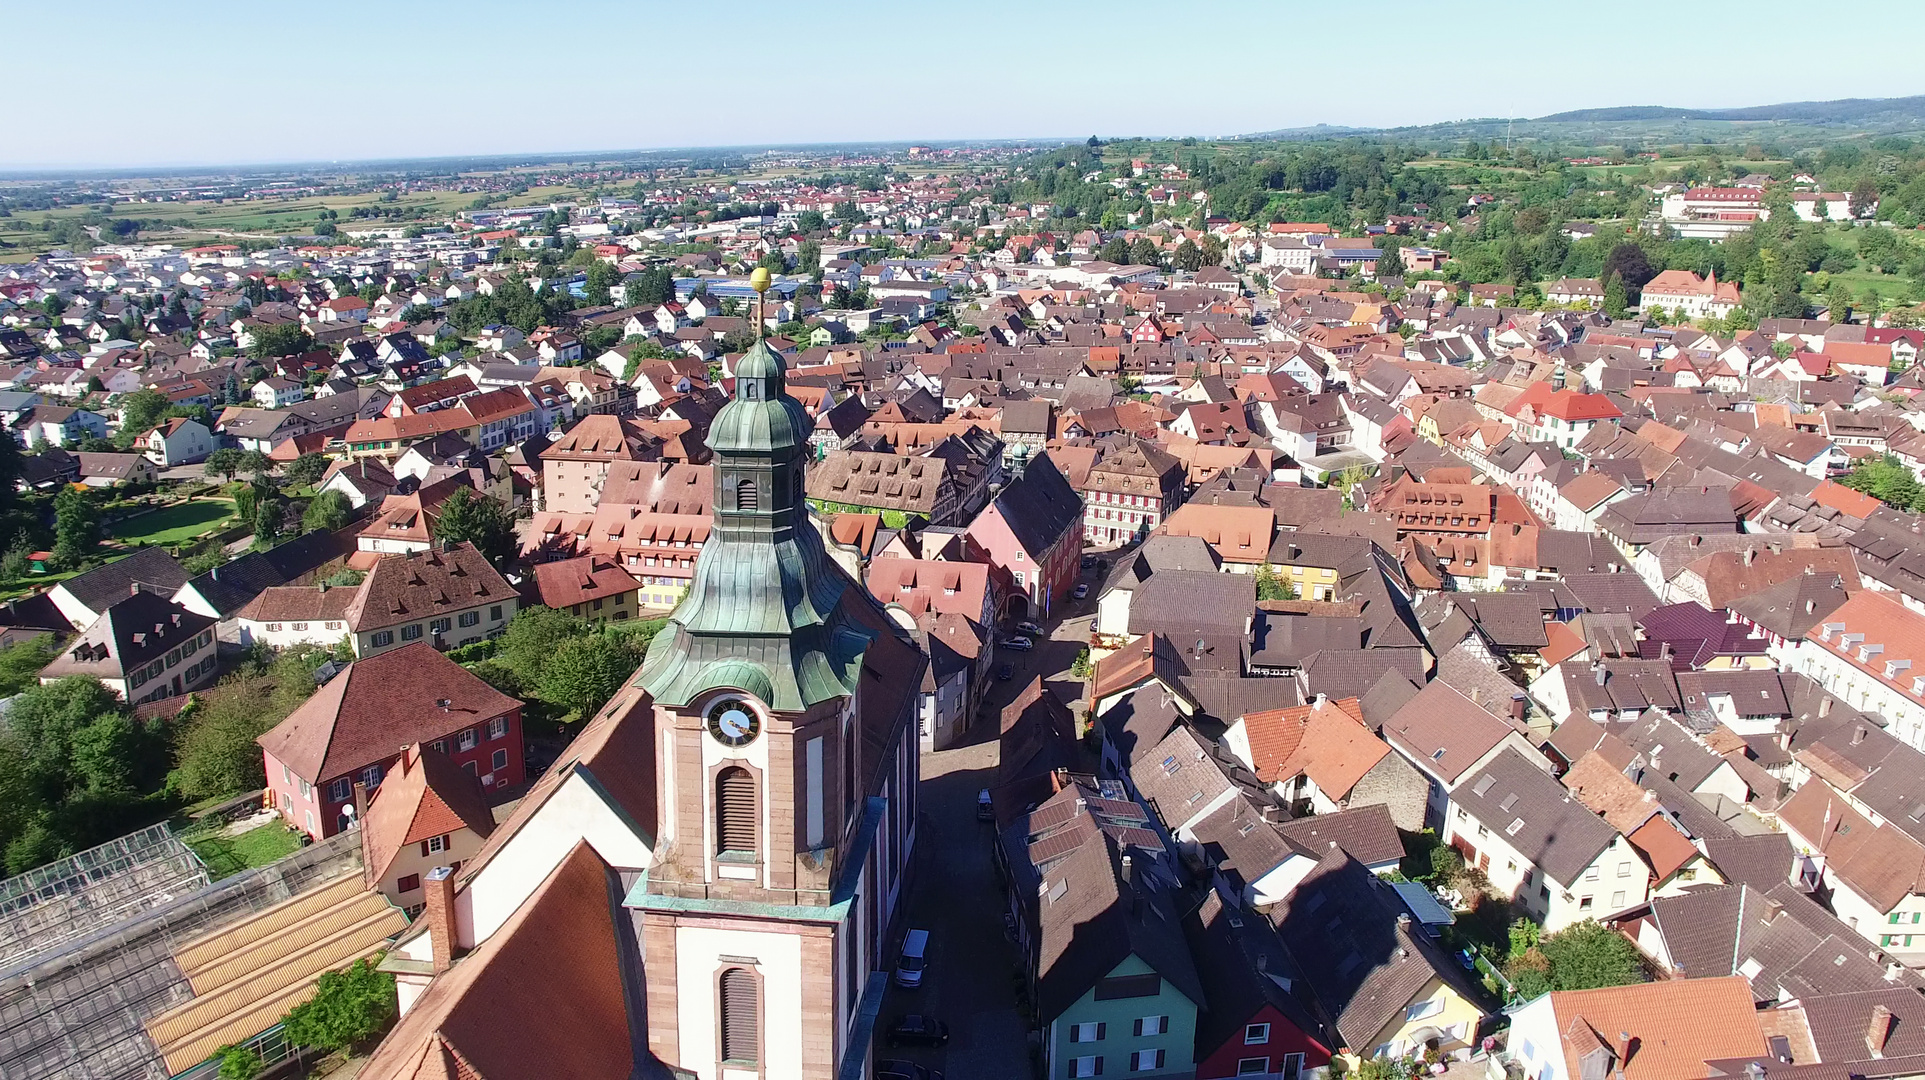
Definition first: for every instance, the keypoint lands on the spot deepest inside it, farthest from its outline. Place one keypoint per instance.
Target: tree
(239, 1063)
(226, 462)
(1864, 197)
(280, 339)
(471, 517)
(1116, 250)
(1886, 479)
(255, 462)
(1616, 302)
(1589, 955)
(270, 515)
(1188, 257)
(1143, 253)
(534, 635)
(20, 663)
(348, 1007)
(1272, 587)
(306, 470)
(76, 527)
(140, 411)
(585, 672)
(327, 511)
(1629, 262)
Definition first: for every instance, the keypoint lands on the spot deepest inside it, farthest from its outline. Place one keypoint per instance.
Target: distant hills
(1651, 123)
(1842, 111)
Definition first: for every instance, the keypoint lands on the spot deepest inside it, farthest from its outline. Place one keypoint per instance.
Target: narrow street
(974, 970)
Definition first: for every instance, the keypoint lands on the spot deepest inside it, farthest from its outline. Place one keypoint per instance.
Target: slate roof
(1363, 963)
(152, 569)
(129, 635)
(1366, 833)
(1558, 835)
(1039, 506)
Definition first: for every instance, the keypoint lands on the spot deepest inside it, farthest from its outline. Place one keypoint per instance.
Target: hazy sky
(166, 82)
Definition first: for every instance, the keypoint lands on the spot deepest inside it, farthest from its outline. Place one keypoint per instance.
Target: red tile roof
(578, 581)
(494, 1015)
(374, 706)
(1674, 1026)
(425, 584)
(426, 795)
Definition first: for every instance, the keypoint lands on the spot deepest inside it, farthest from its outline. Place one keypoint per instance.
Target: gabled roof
(151, 569)
(1552, 829)
(377, 704)
(424, 796)
(1675, 1026)
(493, 1015)
(423, 584)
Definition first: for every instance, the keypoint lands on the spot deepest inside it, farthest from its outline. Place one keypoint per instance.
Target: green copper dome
(762, 418)
(763, 612)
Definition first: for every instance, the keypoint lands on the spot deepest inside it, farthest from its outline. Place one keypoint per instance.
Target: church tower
(786, 770)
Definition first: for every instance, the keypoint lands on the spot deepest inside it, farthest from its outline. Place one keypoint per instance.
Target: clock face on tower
(732, 722)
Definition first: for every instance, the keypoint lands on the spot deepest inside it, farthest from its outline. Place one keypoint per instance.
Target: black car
(917, 1030)
(897, 1069)
(1005, 673)
(1089, 561)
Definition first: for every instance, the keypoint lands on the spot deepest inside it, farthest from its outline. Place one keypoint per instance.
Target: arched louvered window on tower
(741, 1017)
(735, 812)
(746, 496)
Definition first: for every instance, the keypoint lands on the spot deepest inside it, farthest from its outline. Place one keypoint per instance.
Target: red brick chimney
(1878, 1031)
(440, 886)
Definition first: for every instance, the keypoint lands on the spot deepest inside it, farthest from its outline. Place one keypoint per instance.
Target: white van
(915, 956)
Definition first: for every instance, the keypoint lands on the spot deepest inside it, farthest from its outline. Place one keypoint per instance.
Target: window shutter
(424, 849)
(740, 1018)
(1100, 1029)
(1159, 1058)
(1139, 1027)
(1099, 1061)
(735, 810)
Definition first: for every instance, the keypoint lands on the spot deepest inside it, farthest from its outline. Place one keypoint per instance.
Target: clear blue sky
(164, 82)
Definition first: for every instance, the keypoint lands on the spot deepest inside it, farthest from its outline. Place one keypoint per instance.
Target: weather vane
(759, 281)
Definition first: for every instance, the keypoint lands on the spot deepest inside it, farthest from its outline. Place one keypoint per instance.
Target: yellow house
(1389, 990)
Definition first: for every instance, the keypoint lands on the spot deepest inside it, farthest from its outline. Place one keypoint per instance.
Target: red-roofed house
(588, 587)
(431, 812)
(1562, 416)
(1324, 758)
(353, 728)
(1665, 1030)
(1870, 652)
(1693, 296)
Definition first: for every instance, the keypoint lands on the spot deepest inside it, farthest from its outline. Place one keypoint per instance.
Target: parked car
(1089, 561)
(1081, 590)
(914, 958)
(1005, 672)
(1020, 644)
(898, 1069)
(985, 811)
(1030, 628)
(918, 1030)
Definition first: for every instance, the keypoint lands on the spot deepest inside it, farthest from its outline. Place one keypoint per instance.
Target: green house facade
(1132, 1022)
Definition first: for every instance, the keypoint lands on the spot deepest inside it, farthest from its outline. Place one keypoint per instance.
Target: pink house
(1032, 536)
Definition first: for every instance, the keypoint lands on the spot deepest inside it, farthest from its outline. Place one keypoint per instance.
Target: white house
(180, 441)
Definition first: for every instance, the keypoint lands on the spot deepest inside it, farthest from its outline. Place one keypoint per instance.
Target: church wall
(574, 812)
(699, 960)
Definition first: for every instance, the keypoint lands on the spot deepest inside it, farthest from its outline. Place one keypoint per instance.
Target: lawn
(174, 523)
(226, 856)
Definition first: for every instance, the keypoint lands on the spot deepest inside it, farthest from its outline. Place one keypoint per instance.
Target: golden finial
(759, 280)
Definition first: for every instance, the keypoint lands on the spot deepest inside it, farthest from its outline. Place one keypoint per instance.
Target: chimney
(1517, 707)
(440, 911)
(1623, 1048)
(1878, 1030)
(1824, 706)
(360, 802)
(1477, 695)
(1597, 671)
(1751, 555)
